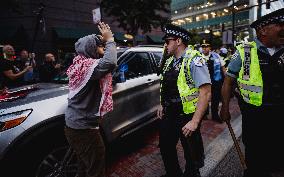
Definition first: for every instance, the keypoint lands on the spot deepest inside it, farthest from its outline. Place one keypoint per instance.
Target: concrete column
(252, 16)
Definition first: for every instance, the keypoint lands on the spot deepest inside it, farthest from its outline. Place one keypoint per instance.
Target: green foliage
(133, 15)
(216, 42)
(196, 39)
(14, 5)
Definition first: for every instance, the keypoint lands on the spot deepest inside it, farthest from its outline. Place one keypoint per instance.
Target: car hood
(32, 93)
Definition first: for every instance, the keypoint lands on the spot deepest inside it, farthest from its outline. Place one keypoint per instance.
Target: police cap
(275, 17)
(171, 30)
(205, 43)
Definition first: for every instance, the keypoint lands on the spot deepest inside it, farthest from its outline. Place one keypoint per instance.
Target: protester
(216, 67)
(185, 92)
(258, 67)
(49, 69)
(90, 97)
(11, 75)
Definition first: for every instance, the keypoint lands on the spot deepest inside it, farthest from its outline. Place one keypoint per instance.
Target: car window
(119, 53)
(138, 65)
(158, 57)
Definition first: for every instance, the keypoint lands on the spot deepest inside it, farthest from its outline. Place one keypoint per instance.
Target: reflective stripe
(190, 97)
(246, 63)
(246, 98)
(252, 88)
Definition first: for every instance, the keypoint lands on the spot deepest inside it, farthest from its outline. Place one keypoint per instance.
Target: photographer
(49, 69)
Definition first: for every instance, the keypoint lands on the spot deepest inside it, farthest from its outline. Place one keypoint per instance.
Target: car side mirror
(119, 75)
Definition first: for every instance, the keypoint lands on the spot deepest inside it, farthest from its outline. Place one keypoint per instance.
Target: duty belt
(168, 102)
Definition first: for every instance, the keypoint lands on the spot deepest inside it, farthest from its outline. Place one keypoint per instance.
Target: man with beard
(185, 93)
(49, 69)
(258, 67)
(10, 74)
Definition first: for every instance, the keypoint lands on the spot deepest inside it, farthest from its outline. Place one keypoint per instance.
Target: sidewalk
(139, 156)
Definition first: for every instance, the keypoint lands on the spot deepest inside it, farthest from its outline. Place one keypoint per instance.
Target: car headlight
(13, 119)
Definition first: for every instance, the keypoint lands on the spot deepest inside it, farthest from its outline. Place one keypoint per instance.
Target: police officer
(216, 67)
(185, 92)
(258, 67)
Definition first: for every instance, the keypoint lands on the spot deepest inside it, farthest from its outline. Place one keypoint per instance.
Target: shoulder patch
(235, 56)
(198, 61)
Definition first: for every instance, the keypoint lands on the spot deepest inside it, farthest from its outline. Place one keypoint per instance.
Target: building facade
(221, 18)
(54, 25)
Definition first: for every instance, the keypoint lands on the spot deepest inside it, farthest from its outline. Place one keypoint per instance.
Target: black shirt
(47, 72)
(6, 65)
(169, 89)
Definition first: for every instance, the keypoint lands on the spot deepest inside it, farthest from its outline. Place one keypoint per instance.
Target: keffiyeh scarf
(79, 74)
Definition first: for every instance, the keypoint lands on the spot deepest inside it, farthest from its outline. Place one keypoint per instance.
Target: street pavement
(139, 156)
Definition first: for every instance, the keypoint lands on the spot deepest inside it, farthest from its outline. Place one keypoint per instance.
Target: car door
(135, 100)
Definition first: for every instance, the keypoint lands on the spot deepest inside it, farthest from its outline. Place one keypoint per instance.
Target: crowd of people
(24, 68)
(190, 80)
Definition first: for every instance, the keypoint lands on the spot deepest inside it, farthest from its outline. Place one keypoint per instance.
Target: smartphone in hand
(96, 15)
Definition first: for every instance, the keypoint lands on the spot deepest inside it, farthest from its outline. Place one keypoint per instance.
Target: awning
(120, 36)
(73, 33)
(155, 38)
(140, 38)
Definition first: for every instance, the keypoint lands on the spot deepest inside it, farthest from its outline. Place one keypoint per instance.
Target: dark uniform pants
(216, 98)
(90, 150)
(170, 132)
(263, 132)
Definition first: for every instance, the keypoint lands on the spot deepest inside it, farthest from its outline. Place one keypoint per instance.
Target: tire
(40, 155)
(61, 162)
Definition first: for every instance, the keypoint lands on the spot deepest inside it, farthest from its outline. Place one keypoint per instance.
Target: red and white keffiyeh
(79, 74)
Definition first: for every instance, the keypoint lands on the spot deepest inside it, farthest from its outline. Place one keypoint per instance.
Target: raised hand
(106, 32)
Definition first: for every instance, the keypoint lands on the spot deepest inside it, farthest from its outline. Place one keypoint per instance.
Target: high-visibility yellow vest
(250, 77)
(187, 91)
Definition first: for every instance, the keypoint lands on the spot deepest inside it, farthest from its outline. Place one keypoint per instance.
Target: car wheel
(41, 154)
(61, 162)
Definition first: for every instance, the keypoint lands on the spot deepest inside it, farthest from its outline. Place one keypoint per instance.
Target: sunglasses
(204, 46)
(167, 41)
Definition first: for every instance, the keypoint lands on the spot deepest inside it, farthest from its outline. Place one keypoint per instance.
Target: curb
(216, 151)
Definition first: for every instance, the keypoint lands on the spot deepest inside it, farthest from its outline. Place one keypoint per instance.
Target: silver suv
(32, 141)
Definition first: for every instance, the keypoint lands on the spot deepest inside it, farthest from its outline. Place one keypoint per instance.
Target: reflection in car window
(139, 65)
(158, 56)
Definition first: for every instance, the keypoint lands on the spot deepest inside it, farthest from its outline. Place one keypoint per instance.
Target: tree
(14, 5)
(137, 15)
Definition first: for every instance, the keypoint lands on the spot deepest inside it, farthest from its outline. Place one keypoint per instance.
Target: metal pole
(259, 11)
(233, 23)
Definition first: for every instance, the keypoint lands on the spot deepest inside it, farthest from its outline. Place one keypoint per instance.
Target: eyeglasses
(167, 41)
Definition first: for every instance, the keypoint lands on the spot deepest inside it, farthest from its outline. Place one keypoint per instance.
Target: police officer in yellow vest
(258, 67)
(185, 93)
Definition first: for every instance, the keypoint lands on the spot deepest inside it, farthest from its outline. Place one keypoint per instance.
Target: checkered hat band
(271, 21)
(178, 33)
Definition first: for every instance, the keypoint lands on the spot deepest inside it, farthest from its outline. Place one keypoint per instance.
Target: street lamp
(207, 31)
